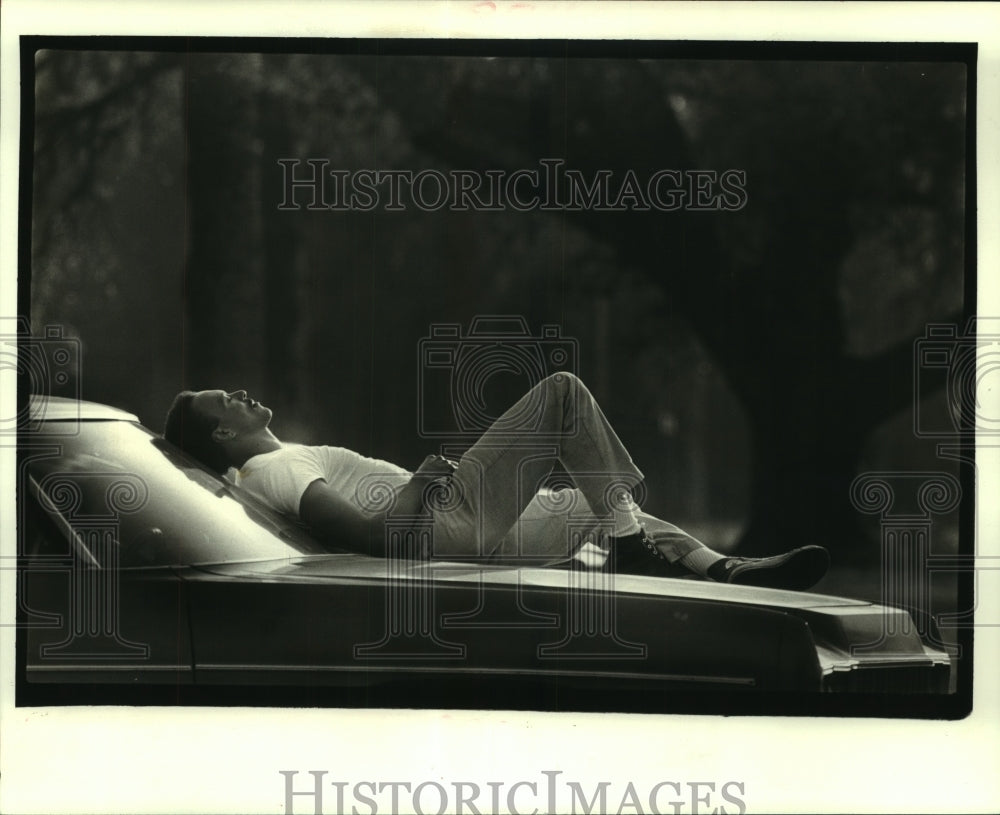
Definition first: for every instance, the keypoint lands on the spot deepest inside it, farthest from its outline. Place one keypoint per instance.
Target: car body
(139, 567)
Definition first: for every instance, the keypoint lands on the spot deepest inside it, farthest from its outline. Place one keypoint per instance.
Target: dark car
(140, 567)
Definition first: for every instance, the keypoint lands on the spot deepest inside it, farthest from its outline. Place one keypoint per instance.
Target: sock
(623, 512)
(590, 556)
(701, 560)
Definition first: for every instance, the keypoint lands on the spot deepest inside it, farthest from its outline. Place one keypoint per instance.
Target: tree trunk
(222, 291)
(281, 250)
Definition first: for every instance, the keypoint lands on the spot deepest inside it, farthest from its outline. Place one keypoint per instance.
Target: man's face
(235, 411)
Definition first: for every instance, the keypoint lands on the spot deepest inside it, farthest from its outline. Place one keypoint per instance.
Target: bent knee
(562, 379)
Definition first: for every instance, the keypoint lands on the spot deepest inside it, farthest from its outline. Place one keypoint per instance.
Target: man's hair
(191, 430)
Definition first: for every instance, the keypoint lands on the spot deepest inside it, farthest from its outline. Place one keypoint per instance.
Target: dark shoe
(639, 554)
(798, 569)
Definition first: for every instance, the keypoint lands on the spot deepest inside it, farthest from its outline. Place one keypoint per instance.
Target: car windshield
(161, 507)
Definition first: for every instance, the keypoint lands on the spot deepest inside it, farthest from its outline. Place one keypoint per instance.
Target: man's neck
(257, 444)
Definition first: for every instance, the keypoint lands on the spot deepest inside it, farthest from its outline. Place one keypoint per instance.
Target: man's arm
(332, 517)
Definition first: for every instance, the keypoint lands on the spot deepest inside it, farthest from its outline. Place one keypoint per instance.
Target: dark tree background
(753, 361)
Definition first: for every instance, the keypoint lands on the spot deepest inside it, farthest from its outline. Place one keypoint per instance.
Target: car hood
(352, 567)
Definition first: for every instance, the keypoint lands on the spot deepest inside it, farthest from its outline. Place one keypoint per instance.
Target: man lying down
(498, 511)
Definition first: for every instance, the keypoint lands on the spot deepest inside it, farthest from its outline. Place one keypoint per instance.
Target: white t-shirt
(279, 478)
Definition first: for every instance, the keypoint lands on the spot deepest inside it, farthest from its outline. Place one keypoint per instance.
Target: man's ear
(222, 434)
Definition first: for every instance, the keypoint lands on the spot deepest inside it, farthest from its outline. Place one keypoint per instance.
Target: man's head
(216, 427)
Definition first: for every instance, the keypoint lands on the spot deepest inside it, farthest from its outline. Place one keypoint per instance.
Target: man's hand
(410, 500)
(435, 466)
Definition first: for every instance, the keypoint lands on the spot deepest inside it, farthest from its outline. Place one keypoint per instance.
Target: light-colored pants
(498, 505)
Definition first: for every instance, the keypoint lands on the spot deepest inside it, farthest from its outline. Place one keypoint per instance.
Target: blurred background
(753, 361)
